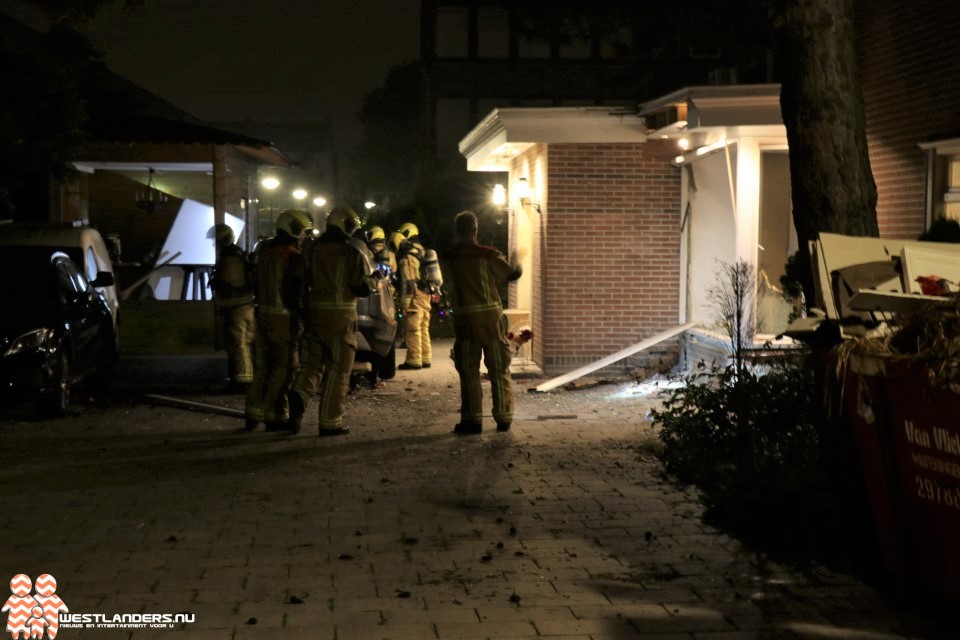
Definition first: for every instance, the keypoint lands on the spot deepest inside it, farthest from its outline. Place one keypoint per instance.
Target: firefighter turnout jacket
(335, 275)
(477, 272)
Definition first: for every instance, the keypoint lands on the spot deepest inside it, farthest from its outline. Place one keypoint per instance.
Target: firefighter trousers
(417, 331)
(475, 337)
(239, 331)
(329, 349)
(275, 360)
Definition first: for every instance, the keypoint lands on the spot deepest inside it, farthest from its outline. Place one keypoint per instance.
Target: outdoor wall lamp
(525, 194)
(499, 197)
(150, 199)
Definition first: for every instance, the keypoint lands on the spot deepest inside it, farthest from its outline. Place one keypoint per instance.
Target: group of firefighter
(289, 314)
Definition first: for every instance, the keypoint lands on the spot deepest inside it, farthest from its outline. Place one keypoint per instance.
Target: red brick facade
(911, 90)
(607, 252)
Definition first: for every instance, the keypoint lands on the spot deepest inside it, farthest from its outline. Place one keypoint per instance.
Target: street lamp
(369, 205)
(269, 183)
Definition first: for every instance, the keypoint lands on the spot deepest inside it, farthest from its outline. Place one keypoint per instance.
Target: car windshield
(26, 277)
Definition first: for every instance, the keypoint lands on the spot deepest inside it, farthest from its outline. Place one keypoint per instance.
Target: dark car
(56, 330)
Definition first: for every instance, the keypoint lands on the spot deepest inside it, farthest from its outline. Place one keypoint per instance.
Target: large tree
(821, 101)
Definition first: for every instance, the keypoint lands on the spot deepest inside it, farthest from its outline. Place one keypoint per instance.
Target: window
(71, 281)
(618, 44)
(451, 39)
(533, 44)
(951, 193)
(493, 33)
(92, 266)
(943, 179)
(577, 47)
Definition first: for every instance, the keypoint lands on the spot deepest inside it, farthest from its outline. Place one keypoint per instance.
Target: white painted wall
(713, 231)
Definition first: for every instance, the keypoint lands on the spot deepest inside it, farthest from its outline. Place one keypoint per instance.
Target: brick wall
(911, 89)
(608, 262)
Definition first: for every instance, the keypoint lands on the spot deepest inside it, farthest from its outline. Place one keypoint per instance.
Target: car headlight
(30, 340)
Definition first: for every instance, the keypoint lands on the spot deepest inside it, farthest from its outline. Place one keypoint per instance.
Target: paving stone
(185, 512)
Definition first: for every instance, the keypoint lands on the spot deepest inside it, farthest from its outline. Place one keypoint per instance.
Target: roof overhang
(163, 167)
(949, 146)
(713, 106)
(704, 119)
(506, 133)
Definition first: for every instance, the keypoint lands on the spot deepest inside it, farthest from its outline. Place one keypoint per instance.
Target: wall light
(499, 196)
(299, 194)
(523, 189)
(270, 183)
(525, 194)
(369, 205)
(319, 202)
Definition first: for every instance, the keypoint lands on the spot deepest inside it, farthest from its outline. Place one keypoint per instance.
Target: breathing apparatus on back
(430, 272)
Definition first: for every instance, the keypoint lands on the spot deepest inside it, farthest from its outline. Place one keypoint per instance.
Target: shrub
(757, 447)
(757, 442)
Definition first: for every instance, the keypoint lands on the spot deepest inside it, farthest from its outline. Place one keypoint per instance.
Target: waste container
(908, 437)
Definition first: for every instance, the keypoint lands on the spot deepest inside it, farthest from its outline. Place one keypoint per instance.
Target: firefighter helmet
(408, 230)
(345, 219)
(294, 222)
(395, 239)
(376, 234)
(224, 235)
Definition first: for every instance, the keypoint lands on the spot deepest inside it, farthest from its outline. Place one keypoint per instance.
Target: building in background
(479, 55)
(310, 184)
(625, 219)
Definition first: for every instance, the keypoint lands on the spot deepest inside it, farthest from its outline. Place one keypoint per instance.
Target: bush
(756, 446)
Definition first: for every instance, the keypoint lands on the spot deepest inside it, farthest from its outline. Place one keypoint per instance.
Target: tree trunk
(832, 184)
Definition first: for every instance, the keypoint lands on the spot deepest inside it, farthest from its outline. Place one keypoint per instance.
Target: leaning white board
(613, 357)
(192, 235)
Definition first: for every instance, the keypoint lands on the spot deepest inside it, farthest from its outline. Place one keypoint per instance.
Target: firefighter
(382, 254)
(336, 274)
(479, 325)
(278, 278)
(233, 296)
(415, 297)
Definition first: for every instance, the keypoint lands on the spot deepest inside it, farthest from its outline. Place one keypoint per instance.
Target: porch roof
(701, 107)
(112, 144)
(506, 133)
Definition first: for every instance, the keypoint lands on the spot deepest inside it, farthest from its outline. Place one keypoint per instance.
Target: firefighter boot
(297, 409)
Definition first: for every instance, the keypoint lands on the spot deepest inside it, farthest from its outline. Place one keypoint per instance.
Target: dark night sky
(227, 60)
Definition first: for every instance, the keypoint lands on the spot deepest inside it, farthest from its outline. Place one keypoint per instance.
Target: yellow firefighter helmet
(294, 222)
(376, 234)
(395, 239)
(408, 230)
(345, 219)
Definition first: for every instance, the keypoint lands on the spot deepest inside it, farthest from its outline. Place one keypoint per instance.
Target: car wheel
(386, 366)
(56, 400)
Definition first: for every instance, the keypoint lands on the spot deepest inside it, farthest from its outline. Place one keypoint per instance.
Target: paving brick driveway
(561, 528)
